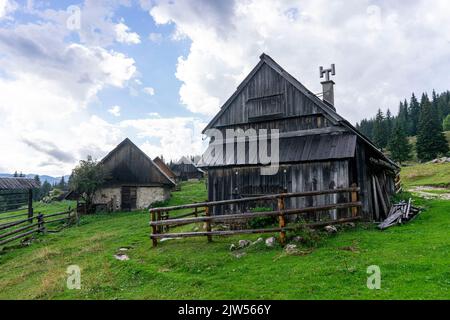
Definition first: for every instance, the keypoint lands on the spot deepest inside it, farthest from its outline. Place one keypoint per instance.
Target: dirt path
(431, 192)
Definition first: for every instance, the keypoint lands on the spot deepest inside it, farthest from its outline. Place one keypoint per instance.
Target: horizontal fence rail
(161, 221)
(14, 230)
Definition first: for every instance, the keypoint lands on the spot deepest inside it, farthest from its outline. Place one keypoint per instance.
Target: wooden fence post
(30, 204)
(41, 226)
(154, 230)
(281, 220)
(354, 199)
(208, 224)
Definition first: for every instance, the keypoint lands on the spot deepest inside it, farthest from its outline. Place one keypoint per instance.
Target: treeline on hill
(424, 119)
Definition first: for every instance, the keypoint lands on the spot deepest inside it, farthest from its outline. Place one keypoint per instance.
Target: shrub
(261, 222)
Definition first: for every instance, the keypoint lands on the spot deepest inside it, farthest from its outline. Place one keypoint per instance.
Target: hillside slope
(413, 261)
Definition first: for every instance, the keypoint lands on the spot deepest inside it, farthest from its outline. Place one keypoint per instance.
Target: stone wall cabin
(318, 149)
(134, 180)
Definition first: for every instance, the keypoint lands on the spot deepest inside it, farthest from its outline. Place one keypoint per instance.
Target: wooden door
(129, 196)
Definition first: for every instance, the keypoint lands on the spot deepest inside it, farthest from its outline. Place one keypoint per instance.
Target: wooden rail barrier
(17, 231)
(157, 223)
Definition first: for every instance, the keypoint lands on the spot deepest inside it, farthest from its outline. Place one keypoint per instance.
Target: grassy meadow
(413, 259)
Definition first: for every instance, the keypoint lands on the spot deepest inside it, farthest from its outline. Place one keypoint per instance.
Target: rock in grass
(291, 249)
(330, 229)
(244, 243)
(259, 240)
(270, 242)
(232, 247)
(121, 257)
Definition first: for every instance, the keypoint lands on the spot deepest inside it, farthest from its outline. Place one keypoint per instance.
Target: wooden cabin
(318, 149)
(186, 170)
(133, 181)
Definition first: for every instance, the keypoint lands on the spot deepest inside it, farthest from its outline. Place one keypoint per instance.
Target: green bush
(261, 222)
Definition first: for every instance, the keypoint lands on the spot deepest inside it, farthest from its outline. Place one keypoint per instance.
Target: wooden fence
(161, 221)
(38, 224)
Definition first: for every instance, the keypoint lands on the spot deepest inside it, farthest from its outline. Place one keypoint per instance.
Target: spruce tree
(446, 123)
(431, 141)
(379, 130)
(399, 145)
(403, 116)
(414, 113)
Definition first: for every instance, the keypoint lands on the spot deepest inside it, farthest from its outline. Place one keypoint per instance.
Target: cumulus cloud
(7, 7)
(115, 111)
(124, 35)
(383, 50)
(47, 85)
(171, 137)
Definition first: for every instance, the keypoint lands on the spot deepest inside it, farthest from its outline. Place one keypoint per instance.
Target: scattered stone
(259, 240)
(121, 257)
(123, 249)
(232, 247)
(291, 249)
(270, 242)
(330, 229)
(244, 243)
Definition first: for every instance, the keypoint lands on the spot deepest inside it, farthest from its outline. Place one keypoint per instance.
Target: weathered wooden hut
(185, 170)
(17, 193)
(318, 149)
(133, 181)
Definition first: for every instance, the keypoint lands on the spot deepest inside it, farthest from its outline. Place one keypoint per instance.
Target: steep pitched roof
(329, 111)
(160, 163)
(127, 142)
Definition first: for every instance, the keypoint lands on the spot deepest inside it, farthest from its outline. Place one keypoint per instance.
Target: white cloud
(149, 90)
(115, 111)
(170, 137)
(124, 35)
(383, 50)
(7, 7)
(48, 85)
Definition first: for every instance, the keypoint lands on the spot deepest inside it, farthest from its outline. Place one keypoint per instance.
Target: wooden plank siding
(333, 155)
(237, 182)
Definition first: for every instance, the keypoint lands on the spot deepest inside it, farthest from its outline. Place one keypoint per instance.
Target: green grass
(413, 259)
(429, 174)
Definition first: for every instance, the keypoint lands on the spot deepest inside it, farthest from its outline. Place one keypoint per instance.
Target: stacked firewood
(400, 213)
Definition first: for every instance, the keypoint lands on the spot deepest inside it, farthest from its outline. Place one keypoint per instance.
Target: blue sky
(157, 71)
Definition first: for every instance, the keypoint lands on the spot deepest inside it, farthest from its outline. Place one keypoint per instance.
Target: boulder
(244, 243)
(270, 242)
(330, 229)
